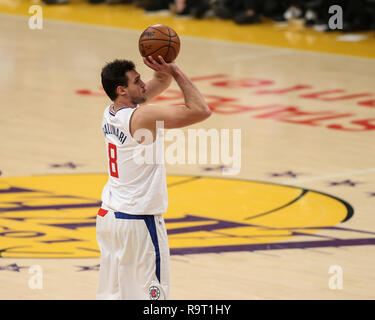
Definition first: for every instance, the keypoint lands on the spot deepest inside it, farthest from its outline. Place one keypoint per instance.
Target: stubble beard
(138, 100)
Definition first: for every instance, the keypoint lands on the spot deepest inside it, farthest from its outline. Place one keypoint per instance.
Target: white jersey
(134, 186)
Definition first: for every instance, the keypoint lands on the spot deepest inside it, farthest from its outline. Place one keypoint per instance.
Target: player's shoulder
(106, 111)
(147, 107)
(143, 109)
(112, 115)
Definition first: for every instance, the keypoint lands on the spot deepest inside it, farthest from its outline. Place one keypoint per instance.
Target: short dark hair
(114, 74)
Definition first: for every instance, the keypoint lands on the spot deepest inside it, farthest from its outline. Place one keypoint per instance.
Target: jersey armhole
(129, 123)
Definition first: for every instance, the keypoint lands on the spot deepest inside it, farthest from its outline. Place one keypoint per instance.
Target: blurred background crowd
(358, 15)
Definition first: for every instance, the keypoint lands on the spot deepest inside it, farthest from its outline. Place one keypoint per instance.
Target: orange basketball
(159, 40)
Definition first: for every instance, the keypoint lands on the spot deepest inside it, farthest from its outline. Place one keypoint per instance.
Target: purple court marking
(22, 207)
(330, 242)
(16, 190)
(275, 246)
(12, 267)
(290, 174)
(219, 225)
(348, 183)
(70, 165)
(88, 268)
(73, 226)
(219, 168)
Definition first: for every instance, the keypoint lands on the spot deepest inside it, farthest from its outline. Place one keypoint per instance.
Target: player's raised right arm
(195, 108)
(194, 101)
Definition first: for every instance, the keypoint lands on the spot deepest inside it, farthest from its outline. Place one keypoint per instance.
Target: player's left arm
(158, 83)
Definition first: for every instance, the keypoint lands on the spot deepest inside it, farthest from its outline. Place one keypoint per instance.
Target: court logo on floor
(54, 216)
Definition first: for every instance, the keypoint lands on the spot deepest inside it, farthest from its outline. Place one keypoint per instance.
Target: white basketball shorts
(135, 258)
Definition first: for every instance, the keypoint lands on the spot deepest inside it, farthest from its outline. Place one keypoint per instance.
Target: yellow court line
(131, 17)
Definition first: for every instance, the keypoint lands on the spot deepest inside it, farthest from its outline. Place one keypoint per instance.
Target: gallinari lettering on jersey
(111, 129)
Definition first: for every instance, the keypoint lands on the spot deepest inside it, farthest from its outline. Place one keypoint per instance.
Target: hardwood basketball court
(296, 219)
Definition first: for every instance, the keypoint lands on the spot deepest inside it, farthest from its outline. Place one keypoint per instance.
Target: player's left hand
(159, 67)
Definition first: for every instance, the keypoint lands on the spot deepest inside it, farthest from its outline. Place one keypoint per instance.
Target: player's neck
(118, 104)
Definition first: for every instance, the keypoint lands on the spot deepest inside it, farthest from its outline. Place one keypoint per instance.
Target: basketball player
(130, 231)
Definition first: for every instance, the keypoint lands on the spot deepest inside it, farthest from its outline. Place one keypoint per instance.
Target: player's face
(136, 87)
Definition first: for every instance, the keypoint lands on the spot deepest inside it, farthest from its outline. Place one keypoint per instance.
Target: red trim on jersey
(112, 109)
(102, 212)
